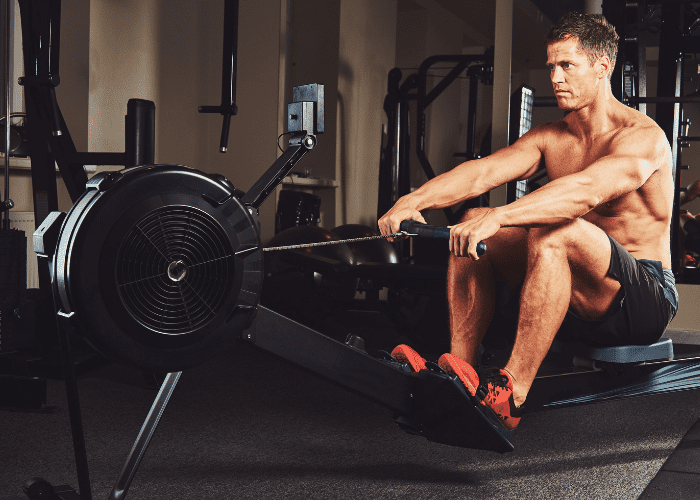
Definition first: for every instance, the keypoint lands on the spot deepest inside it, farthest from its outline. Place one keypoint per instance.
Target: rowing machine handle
(426, 231)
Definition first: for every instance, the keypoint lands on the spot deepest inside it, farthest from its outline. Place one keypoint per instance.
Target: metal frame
(674, 43)
(6, 205)
(49, 142)
(394, 168)
(229, 72)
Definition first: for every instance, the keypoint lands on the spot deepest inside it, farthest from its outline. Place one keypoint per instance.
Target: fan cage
(174, 269)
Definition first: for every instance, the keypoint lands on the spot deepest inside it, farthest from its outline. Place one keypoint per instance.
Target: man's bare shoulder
(625, 123)
(558, 127)
(635, 133)
(545, 133)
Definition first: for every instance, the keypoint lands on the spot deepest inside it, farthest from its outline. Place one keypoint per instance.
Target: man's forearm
(559, 201)
(460, 183)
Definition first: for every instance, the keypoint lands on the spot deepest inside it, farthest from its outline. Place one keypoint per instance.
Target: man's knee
(556, 237)
(473, 213)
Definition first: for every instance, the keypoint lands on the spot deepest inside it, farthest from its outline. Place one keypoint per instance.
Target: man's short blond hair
(596, 36)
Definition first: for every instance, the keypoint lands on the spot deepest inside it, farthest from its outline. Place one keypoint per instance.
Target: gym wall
(170, 51)
(366, 55)
(167, 51)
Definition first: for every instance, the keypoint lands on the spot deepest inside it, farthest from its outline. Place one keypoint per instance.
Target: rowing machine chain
(337, 242)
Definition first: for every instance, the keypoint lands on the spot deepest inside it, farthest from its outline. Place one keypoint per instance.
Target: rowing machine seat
(663, 349)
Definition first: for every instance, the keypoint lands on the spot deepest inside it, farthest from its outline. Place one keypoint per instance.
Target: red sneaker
(496, 391)
(405, 354)
(457, 366)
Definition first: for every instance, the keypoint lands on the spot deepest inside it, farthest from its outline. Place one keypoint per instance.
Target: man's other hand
(466, 235)
(391, 221)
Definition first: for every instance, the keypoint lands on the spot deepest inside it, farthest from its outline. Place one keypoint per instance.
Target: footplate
(445, 413)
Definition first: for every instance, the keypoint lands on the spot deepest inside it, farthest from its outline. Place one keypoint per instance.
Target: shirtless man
(591, 247)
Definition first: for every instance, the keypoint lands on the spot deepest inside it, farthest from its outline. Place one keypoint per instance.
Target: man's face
(574, 81)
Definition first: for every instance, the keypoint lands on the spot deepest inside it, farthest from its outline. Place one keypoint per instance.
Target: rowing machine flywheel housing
(161, 266)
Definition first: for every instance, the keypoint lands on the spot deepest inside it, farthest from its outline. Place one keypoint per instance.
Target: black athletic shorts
(642, 310)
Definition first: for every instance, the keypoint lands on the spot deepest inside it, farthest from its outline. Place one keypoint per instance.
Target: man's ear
(604, 66)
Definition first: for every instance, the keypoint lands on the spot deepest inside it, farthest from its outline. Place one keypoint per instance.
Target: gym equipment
(691, 227)
(159, 267)
(394, 169)
(16, 311)
(140, 131)
(17, 136)
(311, 239)
(171, 258)
(663, 349)
(146, 282)
(229, 71)
(674, 23)
(378, 250)
(408, 228)
(295, 208)
(6, 205)
(288, 290)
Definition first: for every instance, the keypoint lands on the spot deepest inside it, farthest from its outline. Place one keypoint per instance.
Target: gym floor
(245, 425)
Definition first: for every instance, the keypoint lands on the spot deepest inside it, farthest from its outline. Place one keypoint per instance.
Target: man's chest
(564, 156)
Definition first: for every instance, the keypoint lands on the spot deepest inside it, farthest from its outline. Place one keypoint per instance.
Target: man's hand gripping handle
(427, 231)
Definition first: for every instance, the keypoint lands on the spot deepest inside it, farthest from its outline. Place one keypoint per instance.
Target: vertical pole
(230, 63)
(8, 105)
(641, 59)
(616, 14)
(471, 118)
(670, 75)
(501, 87)
(397, 162)
(230, 71)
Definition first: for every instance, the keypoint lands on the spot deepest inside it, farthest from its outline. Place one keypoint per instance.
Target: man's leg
(471, 291)
(567, 267)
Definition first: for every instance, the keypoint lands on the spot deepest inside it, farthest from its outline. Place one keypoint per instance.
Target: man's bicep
(633, 158)
(615, 175)
(648, 146)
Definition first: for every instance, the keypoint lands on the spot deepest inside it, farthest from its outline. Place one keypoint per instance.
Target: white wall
(425, 28)
(366, 55)
(688, 317)
(411, 51)
(170, 52)
(122, 66)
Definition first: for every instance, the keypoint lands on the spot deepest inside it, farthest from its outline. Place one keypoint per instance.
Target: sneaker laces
(494, 375)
